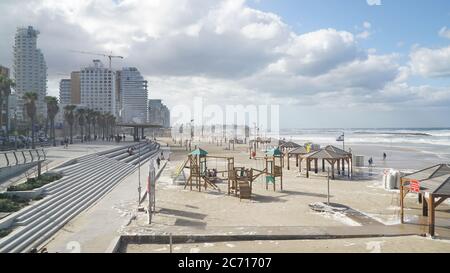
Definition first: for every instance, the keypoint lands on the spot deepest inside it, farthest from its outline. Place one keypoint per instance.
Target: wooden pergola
(333, 155)
(297, 152)
(285, 147)
(433, 190)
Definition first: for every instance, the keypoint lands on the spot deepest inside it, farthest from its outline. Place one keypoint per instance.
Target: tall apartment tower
(75, 88)
(158, 113)
(97, 88)
(30, 70)
(133, 96)
(65, 96)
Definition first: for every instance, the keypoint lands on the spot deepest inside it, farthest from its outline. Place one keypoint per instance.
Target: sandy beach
(370, 208)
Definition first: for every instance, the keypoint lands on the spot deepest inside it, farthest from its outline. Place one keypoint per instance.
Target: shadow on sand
(182, 213)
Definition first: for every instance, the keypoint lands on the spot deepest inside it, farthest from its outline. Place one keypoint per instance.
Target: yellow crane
(110, 56)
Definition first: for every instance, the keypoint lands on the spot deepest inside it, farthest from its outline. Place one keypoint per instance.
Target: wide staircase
(86, 180)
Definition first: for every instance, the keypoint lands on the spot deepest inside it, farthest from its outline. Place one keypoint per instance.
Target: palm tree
(5, 91)
(30, 106)
(110, 124)
(89, 117)
(101, 124)
(52, 110)
(69, 117)
(81, 115)
(95, 118)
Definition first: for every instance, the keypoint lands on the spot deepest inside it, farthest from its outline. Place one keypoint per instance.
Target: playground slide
(179, 169)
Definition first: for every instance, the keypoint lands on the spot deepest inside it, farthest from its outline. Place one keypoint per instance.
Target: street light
(139, 173)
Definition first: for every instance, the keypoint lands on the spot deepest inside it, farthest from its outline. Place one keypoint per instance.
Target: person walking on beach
(384, 156)
(158, 162)
(370, 162)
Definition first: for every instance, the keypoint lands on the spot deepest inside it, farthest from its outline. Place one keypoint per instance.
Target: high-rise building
(165, 114)
(65, 96)
(97, 88)
(132, 95)
(75, 88)
(30, 70)
(158, 113)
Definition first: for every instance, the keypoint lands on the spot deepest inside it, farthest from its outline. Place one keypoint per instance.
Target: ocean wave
(392, 133)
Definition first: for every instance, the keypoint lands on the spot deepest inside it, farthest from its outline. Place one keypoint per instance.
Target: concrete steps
(84, 183)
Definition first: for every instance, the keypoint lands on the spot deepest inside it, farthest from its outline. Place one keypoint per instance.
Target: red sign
(414, 185)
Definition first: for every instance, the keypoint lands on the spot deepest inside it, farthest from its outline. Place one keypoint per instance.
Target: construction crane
(110, 56)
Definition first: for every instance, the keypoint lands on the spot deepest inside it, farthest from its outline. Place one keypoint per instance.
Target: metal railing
(20, 157)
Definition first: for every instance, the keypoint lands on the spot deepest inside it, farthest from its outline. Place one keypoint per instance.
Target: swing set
(199, 173)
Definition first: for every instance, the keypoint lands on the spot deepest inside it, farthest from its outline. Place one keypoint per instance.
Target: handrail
(27, 156)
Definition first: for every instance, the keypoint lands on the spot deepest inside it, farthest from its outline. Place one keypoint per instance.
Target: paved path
(94, 229)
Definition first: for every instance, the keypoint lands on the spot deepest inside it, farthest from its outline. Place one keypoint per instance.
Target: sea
(407, 149)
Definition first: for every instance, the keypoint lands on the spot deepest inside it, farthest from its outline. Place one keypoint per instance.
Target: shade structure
(299, 150)
(199, 152)
(330, 154)
(296, 152)
(289, 145)
(433, 189)
(337, 150)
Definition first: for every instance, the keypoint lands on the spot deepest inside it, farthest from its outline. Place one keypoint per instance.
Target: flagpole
(343, 141)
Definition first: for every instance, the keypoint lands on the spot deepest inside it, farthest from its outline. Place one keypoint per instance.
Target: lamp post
(139, 174)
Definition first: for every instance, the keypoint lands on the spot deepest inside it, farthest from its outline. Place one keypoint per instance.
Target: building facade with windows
(158, 113)
(65, 96)
(97, 88)
(30, 70)
(133, 95)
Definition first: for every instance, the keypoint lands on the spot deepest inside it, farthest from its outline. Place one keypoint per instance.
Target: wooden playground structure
(240, 179)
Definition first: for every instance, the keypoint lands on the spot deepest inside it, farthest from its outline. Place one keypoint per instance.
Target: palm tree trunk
(53, 132)
(46, 128)
(7, 115)
(33, 145)
(71, 133)
(1, 111)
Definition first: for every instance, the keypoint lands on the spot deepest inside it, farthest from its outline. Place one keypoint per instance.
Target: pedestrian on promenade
(158, 162)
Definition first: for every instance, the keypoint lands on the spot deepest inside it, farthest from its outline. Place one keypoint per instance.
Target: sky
(327, 63)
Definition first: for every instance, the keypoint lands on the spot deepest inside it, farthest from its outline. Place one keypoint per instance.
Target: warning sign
(414, 185)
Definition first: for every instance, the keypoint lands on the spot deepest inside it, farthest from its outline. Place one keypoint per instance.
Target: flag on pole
(340, 138)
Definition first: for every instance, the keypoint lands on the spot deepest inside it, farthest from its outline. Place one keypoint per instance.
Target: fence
(21, 157)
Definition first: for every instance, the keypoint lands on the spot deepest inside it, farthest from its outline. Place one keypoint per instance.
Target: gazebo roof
(434, 179)
(300, 150)
(199, 152)
(289, 144)
(274, 152)
(337, 150)
(324, 154)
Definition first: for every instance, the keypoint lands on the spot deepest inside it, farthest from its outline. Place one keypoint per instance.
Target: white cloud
(363, 35)
(318, 52)
(374, 2)
(221, 49)
(444, 32)
(429, 62)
